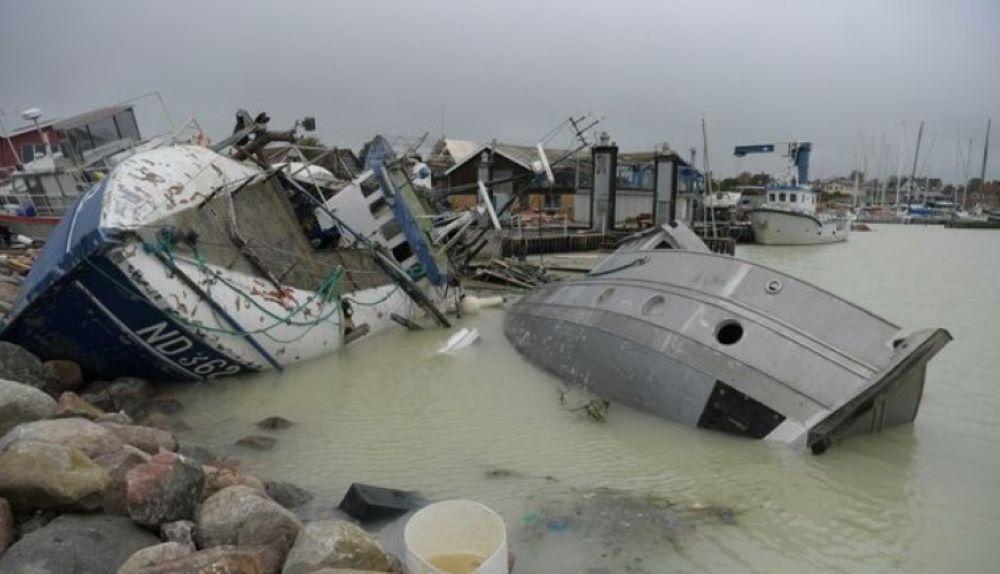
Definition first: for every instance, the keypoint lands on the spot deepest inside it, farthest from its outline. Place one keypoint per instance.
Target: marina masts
(986, 152)
(913, 173)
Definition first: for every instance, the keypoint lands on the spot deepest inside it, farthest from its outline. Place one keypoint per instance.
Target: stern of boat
(892, 399)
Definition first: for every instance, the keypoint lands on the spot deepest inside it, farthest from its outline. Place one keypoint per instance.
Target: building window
(794, 198)
(782, 197)
(770, 197)
(552, 201)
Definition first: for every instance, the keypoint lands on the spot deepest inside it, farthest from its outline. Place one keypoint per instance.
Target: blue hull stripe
(182, 373)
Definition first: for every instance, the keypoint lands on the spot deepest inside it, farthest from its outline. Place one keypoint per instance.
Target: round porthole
(729, 332)
(604, 295)
(773, 286)
(653, 305)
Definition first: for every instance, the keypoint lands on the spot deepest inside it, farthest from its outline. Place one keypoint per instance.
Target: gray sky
(844, 74)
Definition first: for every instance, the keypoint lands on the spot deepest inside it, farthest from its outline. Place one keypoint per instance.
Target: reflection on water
(486, 425)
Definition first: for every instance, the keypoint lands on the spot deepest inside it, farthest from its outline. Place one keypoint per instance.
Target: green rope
(195, 324)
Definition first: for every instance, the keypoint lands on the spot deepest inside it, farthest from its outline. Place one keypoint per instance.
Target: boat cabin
(792, 198)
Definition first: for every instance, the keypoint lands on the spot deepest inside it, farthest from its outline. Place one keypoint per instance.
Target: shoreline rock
(167, 488)
(71, 405)
(336, 544)
(20, 403)
(244, 517)
(37, 474)
(90, 543)
(88, 436)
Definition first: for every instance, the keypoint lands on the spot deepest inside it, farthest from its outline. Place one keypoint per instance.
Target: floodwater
(639, 494)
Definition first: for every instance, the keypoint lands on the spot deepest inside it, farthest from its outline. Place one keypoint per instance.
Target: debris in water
(367, 503)
(460, 340)
(576, 399)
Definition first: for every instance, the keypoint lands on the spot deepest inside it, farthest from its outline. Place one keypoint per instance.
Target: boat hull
(121, 303)
(806, 368)
(777, 227)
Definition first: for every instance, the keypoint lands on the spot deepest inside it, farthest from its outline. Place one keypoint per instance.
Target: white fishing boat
(789, 217)
(187, 263)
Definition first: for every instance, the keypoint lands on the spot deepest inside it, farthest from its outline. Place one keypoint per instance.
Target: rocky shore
(93, 481)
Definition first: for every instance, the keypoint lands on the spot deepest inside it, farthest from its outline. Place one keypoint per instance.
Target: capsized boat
(185, 263)
(717, 342)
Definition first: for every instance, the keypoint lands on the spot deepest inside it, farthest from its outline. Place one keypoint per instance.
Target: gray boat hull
(717, 342)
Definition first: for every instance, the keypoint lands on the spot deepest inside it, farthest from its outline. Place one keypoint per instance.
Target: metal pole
(899, 162)
(707, 191)
(913, 173)
(986, 151)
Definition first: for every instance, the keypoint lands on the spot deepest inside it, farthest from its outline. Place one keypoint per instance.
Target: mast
(986, 151)
(899, 162)
(707, 192)
(913, 174)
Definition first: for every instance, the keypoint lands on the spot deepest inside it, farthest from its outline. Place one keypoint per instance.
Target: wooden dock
(513, 246)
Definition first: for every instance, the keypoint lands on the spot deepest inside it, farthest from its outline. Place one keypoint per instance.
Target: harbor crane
(797, 152)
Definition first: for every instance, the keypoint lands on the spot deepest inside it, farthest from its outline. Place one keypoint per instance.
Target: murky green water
(922, 498)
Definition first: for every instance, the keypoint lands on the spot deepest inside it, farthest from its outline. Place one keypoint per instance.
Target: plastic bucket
(453, 536)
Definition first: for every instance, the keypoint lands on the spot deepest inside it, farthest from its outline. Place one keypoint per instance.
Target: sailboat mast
(899, 162)
(986, 152)
(913, 173)
(708, 178)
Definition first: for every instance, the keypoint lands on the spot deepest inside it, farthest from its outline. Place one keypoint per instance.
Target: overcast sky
(844, 74)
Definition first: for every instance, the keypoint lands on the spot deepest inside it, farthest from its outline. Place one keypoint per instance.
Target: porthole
(653, 305)
(729, 332)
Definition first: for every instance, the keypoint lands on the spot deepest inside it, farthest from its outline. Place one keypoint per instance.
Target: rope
(634, 263)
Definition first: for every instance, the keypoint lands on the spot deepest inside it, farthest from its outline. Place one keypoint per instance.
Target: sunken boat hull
(721, 343)
(185, 264)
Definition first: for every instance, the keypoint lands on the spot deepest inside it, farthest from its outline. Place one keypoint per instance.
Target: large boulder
(6, 525)
(85, 435)
(218, 560)
(219, 477)
(335, 544)
(86, 544)
(21, 403)
(18, 364)
(145, 558)
(50, 475)
(244, 517)
(61, 376)
(117, 464)
(123, 394)
(72, 405)
(149, 439)
(287, 494)
(165, 489)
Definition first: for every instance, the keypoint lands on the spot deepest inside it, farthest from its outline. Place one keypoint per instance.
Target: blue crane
(797, 152)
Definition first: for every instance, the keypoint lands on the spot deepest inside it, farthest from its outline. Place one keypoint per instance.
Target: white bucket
(457, 532)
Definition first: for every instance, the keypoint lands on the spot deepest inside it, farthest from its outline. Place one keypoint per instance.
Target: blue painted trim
(414, 235)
